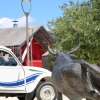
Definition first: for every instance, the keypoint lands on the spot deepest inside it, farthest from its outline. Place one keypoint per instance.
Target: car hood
(29, 70)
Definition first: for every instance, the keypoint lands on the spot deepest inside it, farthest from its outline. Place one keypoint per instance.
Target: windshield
(7, 59)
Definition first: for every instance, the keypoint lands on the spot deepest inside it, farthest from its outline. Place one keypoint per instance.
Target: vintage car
(24, 82)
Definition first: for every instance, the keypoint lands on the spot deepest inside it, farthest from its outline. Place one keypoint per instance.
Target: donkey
(77, 79)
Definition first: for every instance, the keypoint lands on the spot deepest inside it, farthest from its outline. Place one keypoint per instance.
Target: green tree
(82, 20)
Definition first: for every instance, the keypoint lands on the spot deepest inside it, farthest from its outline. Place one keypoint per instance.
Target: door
(11, 74)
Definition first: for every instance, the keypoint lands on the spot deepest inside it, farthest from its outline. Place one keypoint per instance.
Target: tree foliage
(81, 20)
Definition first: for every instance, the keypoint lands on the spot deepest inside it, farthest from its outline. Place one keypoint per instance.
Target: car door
(11, 74)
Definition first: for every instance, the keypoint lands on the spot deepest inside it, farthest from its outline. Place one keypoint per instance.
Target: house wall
(37, 51)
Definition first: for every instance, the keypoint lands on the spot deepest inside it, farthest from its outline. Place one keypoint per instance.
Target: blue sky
(42, 10)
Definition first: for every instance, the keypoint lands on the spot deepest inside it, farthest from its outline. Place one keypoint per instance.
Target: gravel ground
(14, 98)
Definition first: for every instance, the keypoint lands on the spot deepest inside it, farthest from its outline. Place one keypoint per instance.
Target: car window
(7, 59)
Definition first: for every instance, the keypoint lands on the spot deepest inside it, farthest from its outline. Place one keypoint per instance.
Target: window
(7, 59)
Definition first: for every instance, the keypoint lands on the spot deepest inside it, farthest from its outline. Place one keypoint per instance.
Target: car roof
(5, 48)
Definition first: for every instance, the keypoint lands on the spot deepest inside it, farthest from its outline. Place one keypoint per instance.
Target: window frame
(12, 54)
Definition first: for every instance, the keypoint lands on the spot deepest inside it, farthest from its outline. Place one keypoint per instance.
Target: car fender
(36, 78)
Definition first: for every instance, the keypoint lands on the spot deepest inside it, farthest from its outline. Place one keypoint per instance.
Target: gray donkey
(77, 79)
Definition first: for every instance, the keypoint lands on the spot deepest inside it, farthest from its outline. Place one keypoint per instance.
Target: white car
(25, 82)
